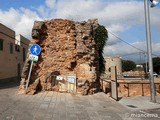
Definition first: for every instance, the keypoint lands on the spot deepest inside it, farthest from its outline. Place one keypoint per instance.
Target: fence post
(114, 87)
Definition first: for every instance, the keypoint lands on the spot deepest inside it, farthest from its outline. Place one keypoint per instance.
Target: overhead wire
(128, 43)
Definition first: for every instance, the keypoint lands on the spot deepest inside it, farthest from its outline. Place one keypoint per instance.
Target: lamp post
(145, 55)
(149, 47)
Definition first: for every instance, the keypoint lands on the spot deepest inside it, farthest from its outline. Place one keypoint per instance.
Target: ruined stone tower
(67, 48)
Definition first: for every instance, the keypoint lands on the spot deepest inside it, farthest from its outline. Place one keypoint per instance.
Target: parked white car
(155, 74)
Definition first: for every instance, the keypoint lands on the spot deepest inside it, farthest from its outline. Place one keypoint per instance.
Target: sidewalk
(51, 105)
(140, 102)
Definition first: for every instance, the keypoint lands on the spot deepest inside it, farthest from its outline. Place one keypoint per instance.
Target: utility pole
(145, 55)
(149, 50)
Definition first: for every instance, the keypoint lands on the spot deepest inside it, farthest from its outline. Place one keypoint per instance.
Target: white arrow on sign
(33, 58)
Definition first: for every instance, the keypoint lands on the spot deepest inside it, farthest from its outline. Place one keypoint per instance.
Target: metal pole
(29, 76)
(145, 54)
(149, 50)
(140, 65)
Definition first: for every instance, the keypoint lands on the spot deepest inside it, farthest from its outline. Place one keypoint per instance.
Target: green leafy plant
(100, 35)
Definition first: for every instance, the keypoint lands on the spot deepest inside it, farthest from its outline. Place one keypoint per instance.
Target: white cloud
(154, 16)
(9, 17)
(50, 3)
(20, 20)
(113, 30)
(108, 13)
(43, 12)
(78, 9)
(125, 50)
(116, 28)
(117, 16)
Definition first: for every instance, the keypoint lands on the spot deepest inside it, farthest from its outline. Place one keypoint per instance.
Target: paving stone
(44, 106)
(72, 117)
(60, 106)
(47, 99)
(48, 116)
(51, 105)
(55, 116)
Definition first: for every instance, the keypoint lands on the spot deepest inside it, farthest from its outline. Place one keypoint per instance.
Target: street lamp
(149, 47)
(154, 3)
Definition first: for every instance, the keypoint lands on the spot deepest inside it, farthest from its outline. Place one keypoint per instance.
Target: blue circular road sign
(35, 49)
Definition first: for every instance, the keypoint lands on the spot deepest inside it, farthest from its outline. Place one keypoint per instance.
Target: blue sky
(6, 4)
(124, 18)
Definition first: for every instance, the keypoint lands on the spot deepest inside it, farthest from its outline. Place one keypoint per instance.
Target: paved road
(61, 106)
(152, 114)
(58, 106)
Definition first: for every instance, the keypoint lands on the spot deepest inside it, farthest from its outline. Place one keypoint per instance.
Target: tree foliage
(100, 35)
(156, 64)
(128, 65)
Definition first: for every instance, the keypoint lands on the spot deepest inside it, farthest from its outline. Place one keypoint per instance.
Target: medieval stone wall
(67, 47)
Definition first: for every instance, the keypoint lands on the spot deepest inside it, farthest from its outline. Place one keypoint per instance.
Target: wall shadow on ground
(9, 84)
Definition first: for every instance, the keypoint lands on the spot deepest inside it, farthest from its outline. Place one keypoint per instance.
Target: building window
(11, 48)
(17, 48)
(24, 54)
(1, 44)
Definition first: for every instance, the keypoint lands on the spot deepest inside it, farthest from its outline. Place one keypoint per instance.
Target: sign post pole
(29, 76)
(35, 49)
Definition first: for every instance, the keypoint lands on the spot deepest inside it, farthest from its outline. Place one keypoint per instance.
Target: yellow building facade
(13, 51)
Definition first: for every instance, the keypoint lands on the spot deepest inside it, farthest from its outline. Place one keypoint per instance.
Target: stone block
(66, 47)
